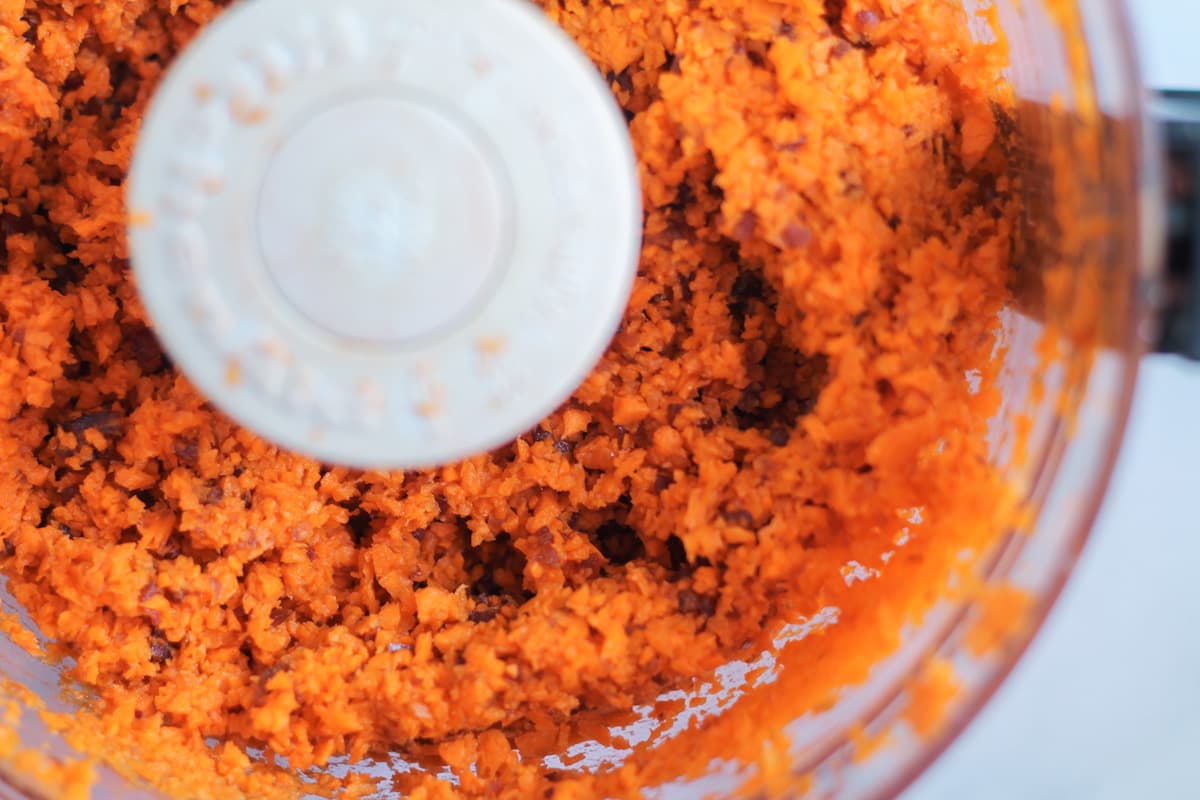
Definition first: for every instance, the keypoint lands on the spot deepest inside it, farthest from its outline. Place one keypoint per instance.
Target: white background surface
(1106, 704)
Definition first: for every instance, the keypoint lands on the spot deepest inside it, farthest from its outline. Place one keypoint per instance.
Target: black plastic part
(1179, 113)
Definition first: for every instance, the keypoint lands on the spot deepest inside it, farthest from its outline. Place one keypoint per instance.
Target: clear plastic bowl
(1088, 287)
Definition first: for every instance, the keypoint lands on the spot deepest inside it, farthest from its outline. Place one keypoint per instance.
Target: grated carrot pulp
(826, 254)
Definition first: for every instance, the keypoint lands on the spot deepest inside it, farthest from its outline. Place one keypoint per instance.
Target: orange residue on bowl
(827, 233)
(35, 771)
(140, 219)
(1001, 612)
(15, 630)
(931, 693)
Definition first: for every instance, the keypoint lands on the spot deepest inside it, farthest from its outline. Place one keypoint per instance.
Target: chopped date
(109, 423)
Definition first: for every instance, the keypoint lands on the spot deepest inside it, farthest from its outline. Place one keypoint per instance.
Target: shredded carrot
(826, 253)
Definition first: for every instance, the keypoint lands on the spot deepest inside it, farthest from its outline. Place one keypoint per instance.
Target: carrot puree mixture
(826, 252)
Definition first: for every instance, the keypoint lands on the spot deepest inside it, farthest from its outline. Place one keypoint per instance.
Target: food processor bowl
(1089, 171)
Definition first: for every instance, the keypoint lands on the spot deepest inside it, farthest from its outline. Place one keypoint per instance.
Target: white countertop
(1166, 31)
(1106, 704)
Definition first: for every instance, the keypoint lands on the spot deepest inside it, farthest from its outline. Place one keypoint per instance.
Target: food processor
(1109, 198)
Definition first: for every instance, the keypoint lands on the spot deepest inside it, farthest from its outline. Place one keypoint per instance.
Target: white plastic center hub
(383, 219)
(388, 235)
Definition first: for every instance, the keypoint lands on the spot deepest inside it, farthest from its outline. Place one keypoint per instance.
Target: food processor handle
(1179, 113)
